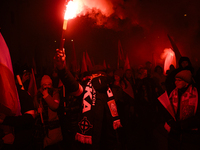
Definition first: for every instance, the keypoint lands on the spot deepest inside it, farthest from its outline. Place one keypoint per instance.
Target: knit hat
(46, 79)
(185, 75)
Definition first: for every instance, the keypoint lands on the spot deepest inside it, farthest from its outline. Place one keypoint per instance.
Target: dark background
(32, 28)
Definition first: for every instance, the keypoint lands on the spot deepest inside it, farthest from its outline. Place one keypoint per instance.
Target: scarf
(188, 102)
(98, 104)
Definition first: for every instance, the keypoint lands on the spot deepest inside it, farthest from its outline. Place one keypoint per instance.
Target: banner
(9, 102)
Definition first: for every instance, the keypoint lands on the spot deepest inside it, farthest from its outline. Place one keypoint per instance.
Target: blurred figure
(48, 130)
(110, 76)
(23, 125)
(26, 78)
(171, 68)
(148, 67)
(159, 77)
(145, 99)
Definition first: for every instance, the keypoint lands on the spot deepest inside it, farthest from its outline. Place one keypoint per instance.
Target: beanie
(185, 75)
(46, 79)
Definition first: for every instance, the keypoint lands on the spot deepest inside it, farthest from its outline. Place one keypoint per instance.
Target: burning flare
(82, 7)
(71, 10)
(170, 58)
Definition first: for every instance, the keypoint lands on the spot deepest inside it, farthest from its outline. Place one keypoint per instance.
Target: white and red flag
(9, 102)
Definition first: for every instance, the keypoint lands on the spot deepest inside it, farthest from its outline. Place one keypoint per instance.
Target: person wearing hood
(99, 119)
(48, 130)
(184, 63)
(182, 118)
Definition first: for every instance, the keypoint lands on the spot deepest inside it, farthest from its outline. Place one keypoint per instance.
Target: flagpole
(20, 82)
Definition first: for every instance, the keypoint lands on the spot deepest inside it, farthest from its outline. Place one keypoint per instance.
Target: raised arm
(71, 85)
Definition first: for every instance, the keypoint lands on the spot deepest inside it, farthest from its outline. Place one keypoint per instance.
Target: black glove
(175, 125)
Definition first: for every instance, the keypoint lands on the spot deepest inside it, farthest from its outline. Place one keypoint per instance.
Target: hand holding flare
(59, 59)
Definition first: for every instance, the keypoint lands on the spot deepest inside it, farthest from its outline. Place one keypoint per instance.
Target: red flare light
(170, 58)
(71, 10)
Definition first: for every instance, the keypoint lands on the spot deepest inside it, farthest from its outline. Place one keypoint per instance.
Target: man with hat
(182, 119)
(47, 103)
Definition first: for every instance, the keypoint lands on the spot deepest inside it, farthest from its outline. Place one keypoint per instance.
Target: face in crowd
(180, 83)
(46, 82)
(184, 64)
(46, 86)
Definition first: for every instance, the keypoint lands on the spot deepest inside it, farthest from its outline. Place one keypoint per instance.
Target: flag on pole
(121, 58)
(9, 102)
(32, 88)
(127, 63)
(83, 65)
(175, 49)
(164, 100)
(88, 61)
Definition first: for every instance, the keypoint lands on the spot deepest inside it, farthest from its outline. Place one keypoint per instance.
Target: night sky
(32, 28)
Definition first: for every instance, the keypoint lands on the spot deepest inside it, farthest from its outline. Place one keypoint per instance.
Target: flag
(104, 64)
(121, 59)
(175, 49)
(127, 63)
(164, 100)
(88, 61)
(9, 102)
(32, 88)
(83, 65)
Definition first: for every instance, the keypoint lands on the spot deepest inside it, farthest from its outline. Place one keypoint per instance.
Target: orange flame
(170, 58)
(82, 7)
(71, 10)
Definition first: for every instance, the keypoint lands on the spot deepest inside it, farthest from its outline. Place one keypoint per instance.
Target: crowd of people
(106, 109)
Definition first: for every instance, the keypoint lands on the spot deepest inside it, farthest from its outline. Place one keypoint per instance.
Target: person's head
(128, 74)
(171, 67)
(184, 62)
(46, 82)
(117, 75)
(110, 72)
(183, 79)
(148, 65)
(158, 69)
